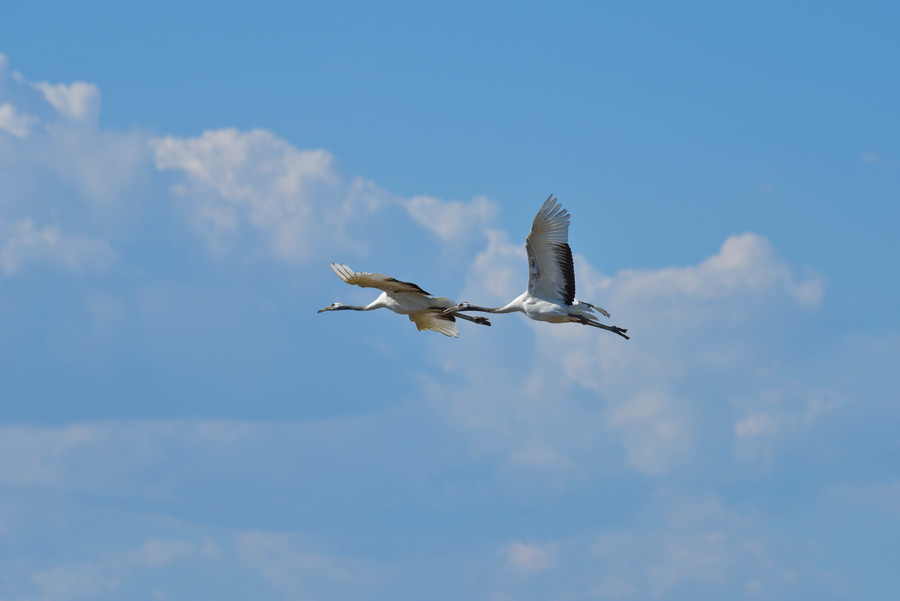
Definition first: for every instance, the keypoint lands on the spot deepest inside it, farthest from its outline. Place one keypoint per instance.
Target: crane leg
(479, 320)
(613, 329)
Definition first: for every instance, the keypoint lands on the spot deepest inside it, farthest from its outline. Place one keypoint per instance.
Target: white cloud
(233, 186)
(211, 549)
(745, 264)
(881, 496)
(35, 455)
(291, 565)
(73, 581)
(108, 311)
(673, 545)
(21, 243)
(500, 271)
(104, 166)
(452, 220)
(158, 553)
(78, 101)
(17, 123)
(759, 424)
(69, 148)
(108, 572)
(694, 335)
(104, 454)
(655, 434)
(112, 457)
(685, 540)
(772, 417)
(530, 558)
(656, 562)
(295, 197)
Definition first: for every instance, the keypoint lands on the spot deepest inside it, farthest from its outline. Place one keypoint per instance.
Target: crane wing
(374, 280)
(551, 272)
(432, 320)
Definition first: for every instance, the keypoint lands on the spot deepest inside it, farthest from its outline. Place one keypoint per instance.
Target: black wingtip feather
(416, 286)
(563, 253)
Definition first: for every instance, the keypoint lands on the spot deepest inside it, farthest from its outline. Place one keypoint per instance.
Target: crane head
(330, 307)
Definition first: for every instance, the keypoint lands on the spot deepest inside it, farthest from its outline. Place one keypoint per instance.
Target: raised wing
(551, 272)
(432, 320)
(374, 280)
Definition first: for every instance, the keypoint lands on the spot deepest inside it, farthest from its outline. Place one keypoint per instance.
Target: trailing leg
(613, 329)
(479, 320)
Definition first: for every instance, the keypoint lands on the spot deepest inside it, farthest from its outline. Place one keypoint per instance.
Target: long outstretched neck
(510, 308)
(352, 308)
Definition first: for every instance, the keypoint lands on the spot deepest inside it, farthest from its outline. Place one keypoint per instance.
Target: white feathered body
(541, 309)
(405, 298)
(406, 303)
(551, 275)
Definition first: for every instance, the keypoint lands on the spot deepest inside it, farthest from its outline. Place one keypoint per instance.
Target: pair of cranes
(550, 295)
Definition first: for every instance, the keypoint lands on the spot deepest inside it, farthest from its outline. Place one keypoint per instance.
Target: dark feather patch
(439, 313)
(564, 257)
(409, 284)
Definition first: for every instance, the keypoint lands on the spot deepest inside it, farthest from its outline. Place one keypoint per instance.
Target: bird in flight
(551, 276)
(424, 310)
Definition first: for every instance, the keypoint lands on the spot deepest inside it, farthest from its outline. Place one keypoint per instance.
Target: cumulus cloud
(655, 433)
(880, 496)
(686, 540)
(291, 565)
(530, 558)
(78, 101)
(22, 243)
(15, 122)
(105, 573)
(745, 264)
(499, 272)
(57, 457)
(156, 553)
(103, 165)
(756, 425)
(297, 199)
(452, 220)
(690, 324)
(294, 197)
(770, 418)
(73, 581)
(674, 545)
(66, 145)
(232, 186)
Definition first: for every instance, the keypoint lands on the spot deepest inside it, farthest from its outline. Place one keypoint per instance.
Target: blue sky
(177, 421)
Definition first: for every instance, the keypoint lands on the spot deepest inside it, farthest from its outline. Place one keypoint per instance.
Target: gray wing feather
(374, 280)
(551, 271)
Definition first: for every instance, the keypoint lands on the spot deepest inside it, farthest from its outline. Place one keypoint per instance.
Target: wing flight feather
(551, 271)
(365, 279)
(432, 320)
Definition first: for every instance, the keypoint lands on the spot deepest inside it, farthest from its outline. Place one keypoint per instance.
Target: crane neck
(351, 308)
(509, 308)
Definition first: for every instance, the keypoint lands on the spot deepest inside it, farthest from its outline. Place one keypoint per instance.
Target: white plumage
(551, 276)
(406, 298)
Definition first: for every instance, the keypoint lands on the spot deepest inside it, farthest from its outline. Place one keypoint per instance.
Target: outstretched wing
(374, 280)
(551, 272)
(432, 320)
